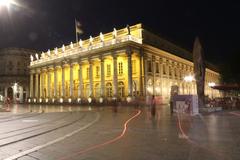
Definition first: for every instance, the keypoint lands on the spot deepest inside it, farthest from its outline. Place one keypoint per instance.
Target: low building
(14, 74)
(124, 63)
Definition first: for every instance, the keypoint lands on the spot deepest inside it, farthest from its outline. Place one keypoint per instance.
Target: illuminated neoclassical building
(128, 62)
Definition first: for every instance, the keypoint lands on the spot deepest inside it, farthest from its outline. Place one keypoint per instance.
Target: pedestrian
(171, 106)
(153, 106)
(115, 105)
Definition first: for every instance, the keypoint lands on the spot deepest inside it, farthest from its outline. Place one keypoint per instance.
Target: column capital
(114, 55)
(141, 52)
(32, 71)
(56, 67)
(50, 68)
(129, 51)
(65, 65)
(90, 61)
(101, 58)
(38, 70)
(72, 64)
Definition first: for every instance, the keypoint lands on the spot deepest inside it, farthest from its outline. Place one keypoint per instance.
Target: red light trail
(107, 142)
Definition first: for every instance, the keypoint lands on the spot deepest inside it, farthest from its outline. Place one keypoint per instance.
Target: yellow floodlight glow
(189, 78)
(211, 84)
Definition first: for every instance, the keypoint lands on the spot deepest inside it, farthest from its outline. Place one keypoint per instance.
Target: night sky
(44, 24)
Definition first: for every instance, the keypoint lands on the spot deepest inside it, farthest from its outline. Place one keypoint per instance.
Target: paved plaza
(48, 132)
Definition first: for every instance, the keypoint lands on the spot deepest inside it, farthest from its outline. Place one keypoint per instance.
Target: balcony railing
(77, 49)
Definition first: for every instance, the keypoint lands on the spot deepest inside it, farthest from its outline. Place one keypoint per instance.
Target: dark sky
(43, 24)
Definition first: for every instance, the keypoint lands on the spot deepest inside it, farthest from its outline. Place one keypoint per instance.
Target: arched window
(149, 87)
(121, 89)
(109, 89)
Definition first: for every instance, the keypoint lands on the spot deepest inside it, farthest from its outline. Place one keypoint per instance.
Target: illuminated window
(109, 89)
(134, 70)
(108, 70)
(149, 64)
(120, 68)
(157, 68)
(97, 71)
(87, 73)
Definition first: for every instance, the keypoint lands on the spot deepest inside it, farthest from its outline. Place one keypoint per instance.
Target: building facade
(124, 63)
(14, 74)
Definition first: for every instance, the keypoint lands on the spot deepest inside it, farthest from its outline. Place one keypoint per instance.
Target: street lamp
(211, 85)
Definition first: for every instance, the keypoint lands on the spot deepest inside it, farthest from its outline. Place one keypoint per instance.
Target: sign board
(185, 104)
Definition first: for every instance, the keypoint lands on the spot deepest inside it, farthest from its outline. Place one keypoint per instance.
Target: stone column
(80, 91)
(49, 84)
(36, 84)
(130, 87)
(145, 74)
(102, 78)
(63, 82)
(31, 85)
(154, 74)
(90, 78)
(115, 76)
(141, 73)
(55, 82)
(40, 84)
(71, 80)
(43, 83)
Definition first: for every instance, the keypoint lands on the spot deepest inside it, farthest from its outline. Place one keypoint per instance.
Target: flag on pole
(78, 27)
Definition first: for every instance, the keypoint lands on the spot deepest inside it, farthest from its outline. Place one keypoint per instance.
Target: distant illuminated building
(128, 62)
(14, 74)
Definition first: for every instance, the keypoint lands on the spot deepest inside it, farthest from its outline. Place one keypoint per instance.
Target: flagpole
(76, 31)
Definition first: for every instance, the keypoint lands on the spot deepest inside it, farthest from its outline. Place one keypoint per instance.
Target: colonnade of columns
(44, 82)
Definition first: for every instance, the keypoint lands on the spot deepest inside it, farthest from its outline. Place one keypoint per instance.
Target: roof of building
(139, 35)
(163, 44)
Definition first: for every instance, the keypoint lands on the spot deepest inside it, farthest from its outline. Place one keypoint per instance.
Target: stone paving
(213, 136)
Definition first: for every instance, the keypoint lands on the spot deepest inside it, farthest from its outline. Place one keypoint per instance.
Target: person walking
(153, 106)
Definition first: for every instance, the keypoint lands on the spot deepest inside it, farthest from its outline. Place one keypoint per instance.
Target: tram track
(15, 139)
(5, 117)
(21, 117)
(78, 128)
(34, 126)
